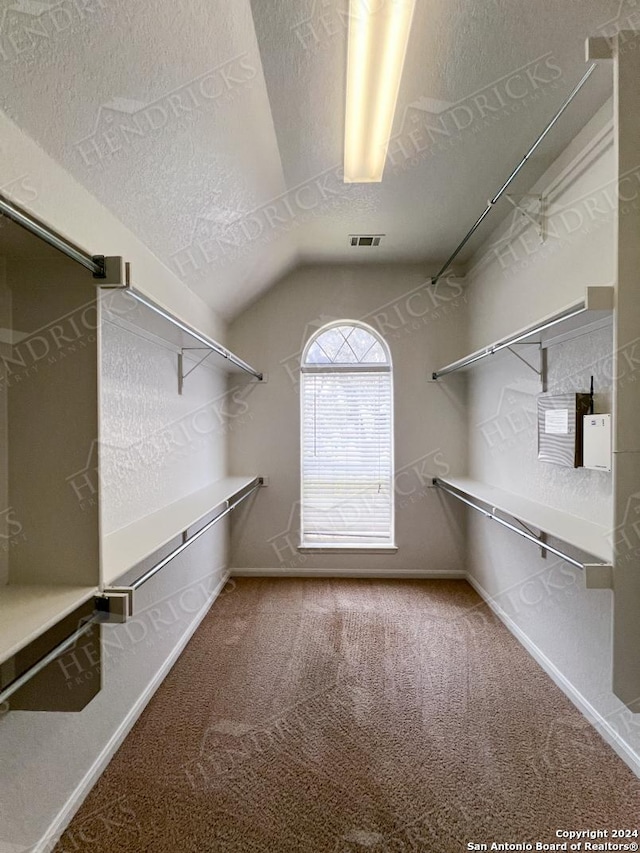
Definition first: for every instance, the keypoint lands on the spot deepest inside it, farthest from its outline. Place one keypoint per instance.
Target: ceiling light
(377, 45)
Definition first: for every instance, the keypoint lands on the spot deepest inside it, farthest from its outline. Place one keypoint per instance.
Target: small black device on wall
(560, 427)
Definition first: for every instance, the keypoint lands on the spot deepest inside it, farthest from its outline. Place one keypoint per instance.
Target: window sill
(347, 549)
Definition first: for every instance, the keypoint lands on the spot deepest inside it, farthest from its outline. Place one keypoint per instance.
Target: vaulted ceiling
(214, 129)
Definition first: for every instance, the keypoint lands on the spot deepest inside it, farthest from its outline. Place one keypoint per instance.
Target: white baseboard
(348, 573)
(600, 723)
(63, 818)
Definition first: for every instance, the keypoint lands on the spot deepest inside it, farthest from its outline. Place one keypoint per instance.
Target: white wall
(503, 448)
(153, 455)
(155, 448)
(423, 330)
(514, 281)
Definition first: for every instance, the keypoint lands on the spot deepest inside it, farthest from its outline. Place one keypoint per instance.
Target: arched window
(347, 439)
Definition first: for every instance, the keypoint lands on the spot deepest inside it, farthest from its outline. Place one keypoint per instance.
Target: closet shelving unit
(64, 569)
(128, 547)
(134, 310)
(615, 547)
(125, 549)
(50, 550)
(578, 318)
(585, 536)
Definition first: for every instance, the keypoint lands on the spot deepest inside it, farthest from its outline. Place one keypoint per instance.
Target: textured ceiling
(214, 130)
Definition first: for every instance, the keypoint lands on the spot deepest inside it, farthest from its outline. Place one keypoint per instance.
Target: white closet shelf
(127, 547)
(27, 611)
(137, 313)
(155, 329)
(576, 318)
(587, 536)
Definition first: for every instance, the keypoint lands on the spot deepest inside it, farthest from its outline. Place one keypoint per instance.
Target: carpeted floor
(344, 716)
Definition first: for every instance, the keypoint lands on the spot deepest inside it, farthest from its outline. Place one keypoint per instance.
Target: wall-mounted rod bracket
(537, 218)
(182, 375)
(112, 274)
(541, 536)
(114, 606)
(537, 370)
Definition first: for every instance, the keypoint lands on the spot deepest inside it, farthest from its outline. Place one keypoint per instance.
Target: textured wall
(141, 410)
(423, 330)
(503, 443)
(157, 446)
(515, 281)
(42, 186)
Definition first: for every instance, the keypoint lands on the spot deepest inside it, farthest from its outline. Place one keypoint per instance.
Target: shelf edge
(596, 299)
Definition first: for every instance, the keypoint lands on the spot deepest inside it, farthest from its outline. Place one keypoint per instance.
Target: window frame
(386, 367)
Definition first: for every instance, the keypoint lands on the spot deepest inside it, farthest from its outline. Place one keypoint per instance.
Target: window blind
(347, 490)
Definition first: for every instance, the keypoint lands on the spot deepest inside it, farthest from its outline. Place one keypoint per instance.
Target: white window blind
(347, 447)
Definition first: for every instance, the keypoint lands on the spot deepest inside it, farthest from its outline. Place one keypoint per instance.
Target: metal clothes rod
(512, 176)
(98, 617)
(49, 657)
(155, 569)
(208, 342)
(512, 527)
(94, 264)
(507, 342)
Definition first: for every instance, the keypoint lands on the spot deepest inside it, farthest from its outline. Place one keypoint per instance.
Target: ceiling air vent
(365, 239)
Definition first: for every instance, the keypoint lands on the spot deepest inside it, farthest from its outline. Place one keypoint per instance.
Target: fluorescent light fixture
(378, 37)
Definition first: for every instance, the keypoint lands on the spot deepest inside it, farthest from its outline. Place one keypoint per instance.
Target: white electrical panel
(596, 442)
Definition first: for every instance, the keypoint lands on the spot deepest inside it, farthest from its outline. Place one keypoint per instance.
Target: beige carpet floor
(346, 716)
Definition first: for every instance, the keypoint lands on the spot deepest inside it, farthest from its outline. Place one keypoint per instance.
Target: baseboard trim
(630, 757)
(372, 574)
(62, 820)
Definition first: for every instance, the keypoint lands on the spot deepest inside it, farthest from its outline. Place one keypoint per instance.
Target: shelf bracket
(537, 218)
(181, 373)
(540, 536)
(541, 371)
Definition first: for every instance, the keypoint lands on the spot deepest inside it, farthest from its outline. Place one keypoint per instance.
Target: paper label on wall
(556, 421)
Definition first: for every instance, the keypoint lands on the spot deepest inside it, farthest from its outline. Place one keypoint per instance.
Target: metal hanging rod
(208, 342)
(539, 542)
(58, 650)
(100, 616)
(512, 176)
(509, 342)
(185, 544)
(94, 263)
